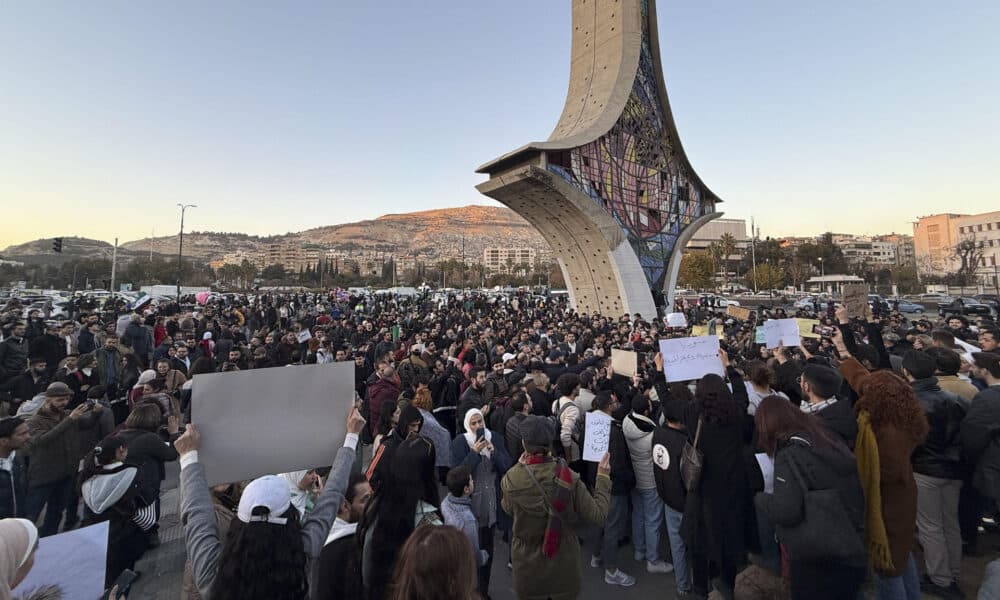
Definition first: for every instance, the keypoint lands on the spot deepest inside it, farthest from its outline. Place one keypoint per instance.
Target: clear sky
(279, 116)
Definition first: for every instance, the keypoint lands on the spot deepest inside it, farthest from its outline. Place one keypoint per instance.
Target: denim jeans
(647, 516)
(53, 497)
(614, 530)
(904, 587)
(678, 551)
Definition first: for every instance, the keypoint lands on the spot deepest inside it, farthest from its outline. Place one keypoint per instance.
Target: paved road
(163, 567)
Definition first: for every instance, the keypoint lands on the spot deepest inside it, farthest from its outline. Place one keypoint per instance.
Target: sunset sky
(274, 117)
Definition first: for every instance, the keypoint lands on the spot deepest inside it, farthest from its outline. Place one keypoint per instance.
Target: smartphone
(480, 433)
(823, 330)
(124, 582)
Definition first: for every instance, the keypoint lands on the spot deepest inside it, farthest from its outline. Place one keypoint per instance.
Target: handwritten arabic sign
(597, 431)
(855, 299)
(778, 331)
(690, 358)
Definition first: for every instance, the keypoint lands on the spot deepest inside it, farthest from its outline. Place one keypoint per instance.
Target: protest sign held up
(690, 358)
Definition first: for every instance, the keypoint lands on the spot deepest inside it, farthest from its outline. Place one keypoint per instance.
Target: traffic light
(57, 245)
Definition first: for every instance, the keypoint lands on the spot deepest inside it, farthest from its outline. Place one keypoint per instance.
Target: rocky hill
(433, 233)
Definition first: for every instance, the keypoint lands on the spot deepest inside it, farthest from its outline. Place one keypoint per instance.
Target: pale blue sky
(274, 117)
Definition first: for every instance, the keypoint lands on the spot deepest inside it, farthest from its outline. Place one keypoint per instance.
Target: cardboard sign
(624, 362)
(72, 562)
(856, 299)
(778, 331)
(597, 432)
(303, 336)
(738, 312)
(703, 330)
(690, 358)
(806, 327)
(677, 320)
(266, 421)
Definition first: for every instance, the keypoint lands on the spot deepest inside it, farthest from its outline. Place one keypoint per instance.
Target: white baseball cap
(269, 491)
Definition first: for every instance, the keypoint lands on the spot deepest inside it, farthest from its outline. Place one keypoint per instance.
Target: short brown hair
(145, 417)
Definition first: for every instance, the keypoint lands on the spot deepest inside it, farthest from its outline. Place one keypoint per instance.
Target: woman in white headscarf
(18, 541)
(489, 462)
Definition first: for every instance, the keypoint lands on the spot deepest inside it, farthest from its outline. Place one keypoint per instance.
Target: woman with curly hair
(891, 423)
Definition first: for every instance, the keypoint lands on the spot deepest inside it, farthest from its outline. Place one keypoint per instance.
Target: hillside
(431, 233)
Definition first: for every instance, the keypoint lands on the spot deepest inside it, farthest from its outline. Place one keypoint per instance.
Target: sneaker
(596, 562)
(619, 577)
(950, 592)
(639, 556)
(659, 567)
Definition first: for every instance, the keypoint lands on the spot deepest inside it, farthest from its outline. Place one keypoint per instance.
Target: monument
(611, 190)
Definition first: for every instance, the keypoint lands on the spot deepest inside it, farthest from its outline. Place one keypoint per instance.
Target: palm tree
(727, 244)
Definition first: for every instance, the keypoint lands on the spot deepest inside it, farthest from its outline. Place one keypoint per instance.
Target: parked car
(935, 298)
(990, 299)
(964, 306)
(905, 306)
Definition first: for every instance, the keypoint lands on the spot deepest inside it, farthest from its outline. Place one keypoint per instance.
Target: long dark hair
(391, 511)
(435, 562)
(777, 420)
(717, 402)
(102, 454)
(263, 560)
(384, 425)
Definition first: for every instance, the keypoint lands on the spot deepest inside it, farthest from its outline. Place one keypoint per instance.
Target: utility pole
(180, 249)
(753, 253)
(114, 266)
(152, 234)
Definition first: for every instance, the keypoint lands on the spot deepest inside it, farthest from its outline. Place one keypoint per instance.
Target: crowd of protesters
(828, 464)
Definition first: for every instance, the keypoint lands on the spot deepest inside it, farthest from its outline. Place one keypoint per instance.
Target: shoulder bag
(691, 462)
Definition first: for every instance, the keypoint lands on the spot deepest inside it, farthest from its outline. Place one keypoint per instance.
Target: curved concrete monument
(611, 190)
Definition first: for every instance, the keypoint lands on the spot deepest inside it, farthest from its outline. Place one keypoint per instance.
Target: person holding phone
(488, 462)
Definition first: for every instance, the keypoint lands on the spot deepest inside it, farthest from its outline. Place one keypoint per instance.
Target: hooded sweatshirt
(638, 432)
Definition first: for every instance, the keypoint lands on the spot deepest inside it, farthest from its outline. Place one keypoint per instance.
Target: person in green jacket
(547, 500)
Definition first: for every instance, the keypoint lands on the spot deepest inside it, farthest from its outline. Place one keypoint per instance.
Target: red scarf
(559, 502)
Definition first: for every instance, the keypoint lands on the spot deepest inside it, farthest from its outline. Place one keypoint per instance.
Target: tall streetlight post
(822, 271)
(180, 248)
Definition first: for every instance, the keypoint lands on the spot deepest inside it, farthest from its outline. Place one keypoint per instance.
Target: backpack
(577, 431)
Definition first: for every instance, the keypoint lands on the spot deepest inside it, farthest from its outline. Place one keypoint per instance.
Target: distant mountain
(430, 234)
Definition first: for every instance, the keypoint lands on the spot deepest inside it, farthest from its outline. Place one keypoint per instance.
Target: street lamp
(180, 249)
(822, 271)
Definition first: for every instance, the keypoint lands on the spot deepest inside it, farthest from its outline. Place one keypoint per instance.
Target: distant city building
(504, 259)
(905, 255)
(866, 250)
(937, 237)
(290, 255)
(713, 232)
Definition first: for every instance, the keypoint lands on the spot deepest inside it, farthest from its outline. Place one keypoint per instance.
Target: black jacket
(822, 469)
(50, 347)
(339, 571)
(13, 357)
(85, 343)
(839, 418)
(941, 453)
(13, 488)
(980, 436)
(668, 445)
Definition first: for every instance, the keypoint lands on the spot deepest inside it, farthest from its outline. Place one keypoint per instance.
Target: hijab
(470, 436)
(17, 542)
